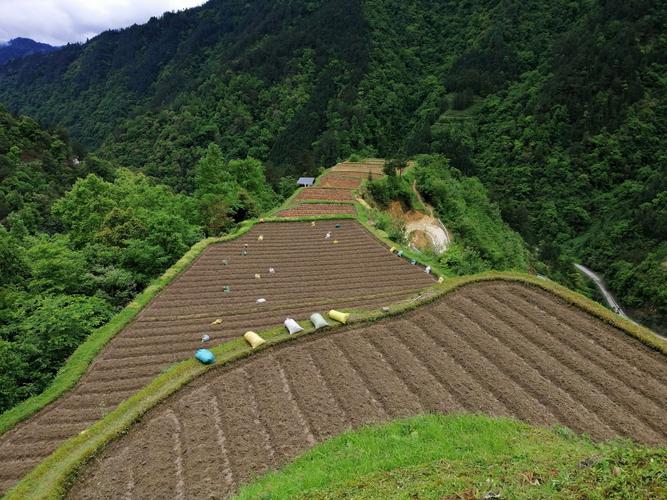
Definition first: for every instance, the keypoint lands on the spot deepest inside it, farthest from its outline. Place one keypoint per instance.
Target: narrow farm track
(311, 274)
(495, 347)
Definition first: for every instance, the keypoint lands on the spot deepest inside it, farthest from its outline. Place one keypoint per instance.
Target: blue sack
(205, 356)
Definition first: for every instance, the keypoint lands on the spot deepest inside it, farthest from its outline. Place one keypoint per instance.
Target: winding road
(608, 297)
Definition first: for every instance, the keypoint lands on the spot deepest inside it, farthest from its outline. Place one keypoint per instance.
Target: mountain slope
(558, 107)
(16, 48)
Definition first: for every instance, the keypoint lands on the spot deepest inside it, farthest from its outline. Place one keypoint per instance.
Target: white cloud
(60, 21)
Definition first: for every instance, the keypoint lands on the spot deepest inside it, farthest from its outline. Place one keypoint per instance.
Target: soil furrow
(650, 362)
(597, 353)
(449, 372)
(243, 431)
(200, 435)
(320, 407)
(152, 462)
(305, 426)
(548, 383)
(497, 375)
(388, 388)
(598, 386)
(277, 411)
(346, 384)
(415, 374)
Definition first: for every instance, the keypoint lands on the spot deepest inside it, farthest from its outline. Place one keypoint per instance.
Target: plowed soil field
(373, 166)
(495, 348)
(359, 174)
(324, 194)
(314, 209)
(311, 274)
(340, 181)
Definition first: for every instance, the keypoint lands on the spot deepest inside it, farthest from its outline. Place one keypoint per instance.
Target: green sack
(318, 321)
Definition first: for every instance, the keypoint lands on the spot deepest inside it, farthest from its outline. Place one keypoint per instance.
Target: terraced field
(311, 274)
(315, 209)
(340, 181)
(325, 194)
(337, 184)
(495, 347)
(373, 166)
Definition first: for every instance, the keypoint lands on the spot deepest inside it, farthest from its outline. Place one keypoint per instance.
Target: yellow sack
(260, 237)
(341, 317)
(392, 249)
(253, 339)
(257, 276)
(441, 279)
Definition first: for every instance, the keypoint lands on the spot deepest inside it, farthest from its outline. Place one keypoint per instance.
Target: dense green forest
(156, 135)
(557, 107)
(85, 237)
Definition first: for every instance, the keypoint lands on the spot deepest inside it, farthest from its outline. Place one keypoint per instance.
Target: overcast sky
(60, 21)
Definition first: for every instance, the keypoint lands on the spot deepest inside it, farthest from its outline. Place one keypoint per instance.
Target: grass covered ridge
(51, 477)
(437, 456)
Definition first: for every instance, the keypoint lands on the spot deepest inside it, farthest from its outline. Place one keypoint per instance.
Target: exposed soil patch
(313, 209)
(423, 231)
(496, 348)
(311, 274)
(420, 240)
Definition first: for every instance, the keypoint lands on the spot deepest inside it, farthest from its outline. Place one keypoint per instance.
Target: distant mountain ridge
(16, 48)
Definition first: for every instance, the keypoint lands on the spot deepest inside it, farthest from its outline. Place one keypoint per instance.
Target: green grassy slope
(437, 456)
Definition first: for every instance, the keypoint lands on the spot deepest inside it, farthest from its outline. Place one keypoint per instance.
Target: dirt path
(496, 348)
(311, 274)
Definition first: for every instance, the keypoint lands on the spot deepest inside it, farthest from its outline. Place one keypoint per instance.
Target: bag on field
(318, 321)
(205, 356)
(341, 317)
(253, 339)
(292, 326)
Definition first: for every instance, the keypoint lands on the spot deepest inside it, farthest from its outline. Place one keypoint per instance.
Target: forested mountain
(558, 107)
(17, 48)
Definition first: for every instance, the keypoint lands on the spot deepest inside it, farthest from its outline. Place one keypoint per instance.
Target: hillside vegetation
(557, 107)
(482, 241)
(85, 237)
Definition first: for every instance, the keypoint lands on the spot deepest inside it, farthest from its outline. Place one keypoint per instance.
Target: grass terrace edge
(79, 361)
(51, 478)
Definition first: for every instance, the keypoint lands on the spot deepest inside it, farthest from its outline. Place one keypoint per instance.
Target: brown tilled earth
(495, 348)
(314, 209)
(375, 167)
(325, 194)
(338, 184)
(311, 274)
(340, 181)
